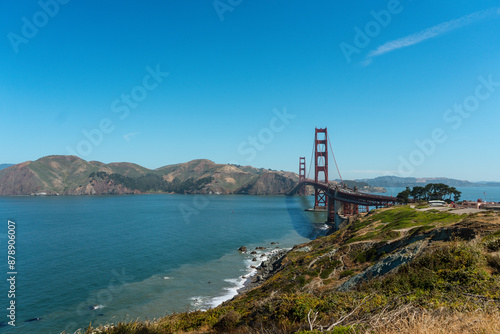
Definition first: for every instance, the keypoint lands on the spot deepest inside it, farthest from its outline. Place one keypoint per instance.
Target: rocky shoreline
(266, 269)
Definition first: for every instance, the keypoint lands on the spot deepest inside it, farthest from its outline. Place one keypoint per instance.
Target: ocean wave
(240, 282)
(237, 284)
(199, 301)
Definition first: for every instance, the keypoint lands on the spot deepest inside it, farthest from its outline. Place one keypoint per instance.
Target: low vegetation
(387, 224)
(446, 280)
(152, 182)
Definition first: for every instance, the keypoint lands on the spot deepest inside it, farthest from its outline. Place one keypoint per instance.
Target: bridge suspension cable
(311, 162)
(335, 160)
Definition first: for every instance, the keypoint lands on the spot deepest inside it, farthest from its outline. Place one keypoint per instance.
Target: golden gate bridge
(338, 201)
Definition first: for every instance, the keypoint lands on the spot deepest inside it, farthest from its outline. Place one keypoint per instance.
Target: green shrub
(445, 268)
(301, 280)
(492, 242)
(326, 273)
(312, 273)
(228, 321)
(346, 273)
(494, 262)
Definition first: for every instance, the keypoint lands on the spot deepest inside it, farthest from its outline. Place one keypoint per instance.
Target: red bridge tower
(320, 167)
(302, 174)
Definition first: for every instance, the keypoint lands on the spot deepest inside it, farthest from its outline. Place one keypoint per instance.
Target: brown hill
(70, 175)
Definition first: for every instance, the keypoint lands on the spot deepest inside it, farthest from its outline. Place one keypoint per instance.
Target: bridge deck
(350, 196)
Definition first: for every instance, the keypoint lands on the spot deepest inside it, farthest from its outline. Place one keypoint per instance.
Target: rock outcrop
(386, 264)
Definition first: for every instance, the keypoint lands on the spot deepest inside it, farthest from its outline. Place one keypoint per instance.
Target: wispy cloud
(432, 32)
(129, 136)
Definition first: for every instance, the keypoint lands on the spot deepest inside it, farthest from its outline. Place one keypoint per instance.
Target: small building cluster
(480, 204)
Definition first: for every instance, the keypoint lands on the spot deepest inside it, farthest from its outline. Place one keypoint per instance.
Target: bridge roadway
(347, 195)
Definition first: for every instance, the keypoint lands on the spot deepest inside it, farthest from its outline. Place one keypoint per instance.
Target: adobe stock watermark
(363, 37)
(102, 298)
(199, 203)
(454, 117)
(258, 143)
(120, 106)
(30, 27)
(250, 146)
(223, 6)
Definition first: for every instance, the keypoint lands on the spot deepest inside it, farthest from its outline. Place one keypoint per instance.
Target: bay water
(109, 259)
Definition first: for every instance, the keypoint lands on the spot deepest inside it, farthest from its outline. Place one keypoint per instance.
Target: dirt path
(469, 210)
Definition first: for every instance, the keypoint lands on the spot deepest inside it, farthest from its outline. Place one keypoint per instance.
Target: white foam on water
(237, 284)
(199, 301)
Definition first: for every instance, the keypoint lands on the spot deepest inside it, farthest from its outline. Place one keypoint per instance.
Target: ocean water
(116, 258)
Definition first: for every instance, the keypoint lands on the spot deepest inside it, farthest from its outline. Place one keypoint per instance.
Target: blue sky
(409, 88)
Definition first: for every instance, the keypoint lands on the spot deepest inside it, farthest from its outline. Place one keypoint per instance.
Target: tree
(404, 195)
(456, 194)
(417, 193)
(433, 191)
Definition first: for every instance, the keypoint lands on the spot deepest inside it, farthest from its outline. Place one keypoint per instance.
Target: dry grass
(421, 321)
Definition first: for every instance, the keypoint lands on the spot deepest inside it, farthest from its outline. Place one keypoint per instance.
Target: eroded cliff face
(102, 187)
(268, 184)
(19, 180)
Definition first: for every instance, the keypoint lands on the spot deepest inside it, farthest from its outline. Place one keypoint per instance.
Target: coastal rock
(260, 247)
(386, 264)
(304, 249)
(242, 249)
(253, 252)
(254, 259)
(268, 267)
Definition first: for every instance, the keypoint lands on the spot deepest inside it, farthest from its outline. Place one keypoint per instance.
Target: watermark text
(12, 272)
